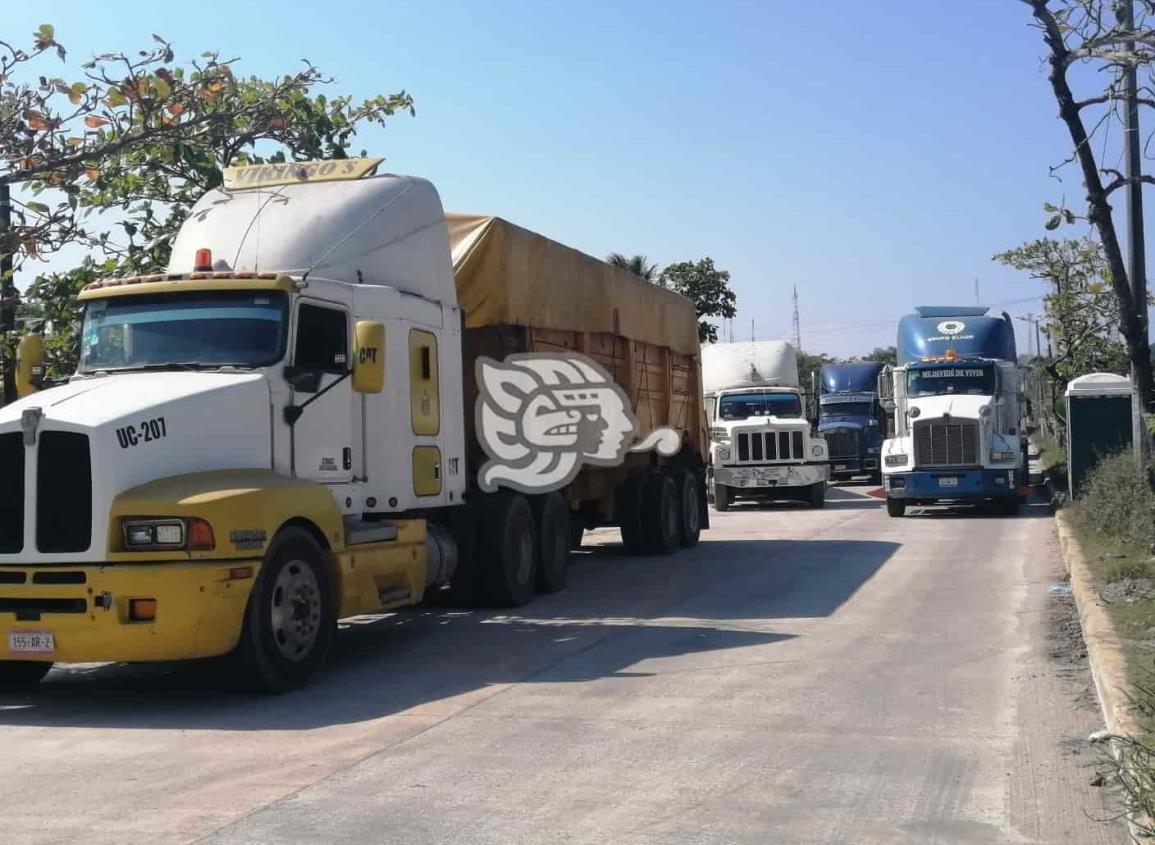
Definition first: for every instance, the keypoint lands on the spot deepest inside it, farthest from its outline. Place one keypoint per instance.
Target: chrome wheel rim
(295, 610)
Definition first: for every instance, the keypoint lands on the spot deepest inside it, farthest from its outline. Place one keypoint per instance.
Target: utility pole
(1137, 258)
(7, 297)
(797, 323)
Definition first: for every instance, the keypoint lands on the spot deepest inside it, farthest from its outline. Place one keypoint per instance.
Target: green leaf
(38, 207)
(47, 31)
(1069, 216)
(1050, 208)
(1054, 222)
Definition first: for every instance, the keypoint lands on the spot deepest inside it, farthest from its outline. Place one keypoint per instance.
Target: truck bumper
(200, 608)
(763, 479)
(841, 468)
(969, 485)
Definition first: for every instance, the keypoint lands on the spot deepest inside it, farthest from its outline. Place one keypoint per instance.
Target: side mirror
(303, 381)
(29, 364)
(369, 356)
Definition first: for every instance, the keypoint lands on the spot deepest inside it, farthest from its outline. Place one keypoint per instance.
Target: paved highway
(803, 676)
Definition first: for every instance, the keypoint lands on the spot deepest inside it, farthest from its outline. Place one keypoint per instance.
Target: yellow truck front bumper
(199, 610)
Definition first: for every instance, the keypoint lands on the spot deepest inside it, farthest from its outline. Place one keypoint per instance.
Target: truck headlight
(723, 454)
(913, 412)
(897, 460)
(816, 450)
(191, 534)
(719, 434)
(1002, 457)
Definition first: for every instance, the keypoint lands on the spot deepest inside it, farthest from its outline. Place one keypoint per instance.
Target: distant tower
(797, 323)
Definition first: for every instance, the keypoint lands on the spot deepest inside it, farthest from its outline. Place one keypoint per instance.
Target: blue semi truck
(958, 412)
(852, 419)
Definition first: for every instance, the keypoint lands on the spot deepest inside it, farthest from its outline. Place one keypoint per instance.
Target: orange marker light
(951, 355)
(142, 610)
(200, 536)
(204, 261)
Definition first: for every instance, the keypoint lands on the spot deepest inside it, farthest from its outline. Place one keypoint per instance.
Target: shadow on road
(619, 615)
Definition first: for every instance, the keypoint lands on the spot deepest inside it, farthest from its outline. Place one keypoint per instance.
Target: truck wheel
(817, 495)
(690, 510)
(507, 550)
(553, 520)
(465, 588)
(1008, 507)
(895, 507)
(661, 528)
(291, 618)
(20, 674)
(628, 507)
(722, 497)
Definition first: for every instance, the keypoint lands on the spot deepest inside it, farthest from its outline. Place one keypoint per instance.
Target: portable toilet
(1101, 413)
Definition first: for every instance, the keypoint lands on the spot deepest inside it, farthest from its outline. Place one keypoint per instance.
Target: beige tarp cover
(507, 275)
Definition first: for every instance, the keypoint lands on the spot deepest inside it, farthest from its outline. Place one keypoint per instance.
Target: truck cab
(852, 419)
(958, 408)
(761, 443)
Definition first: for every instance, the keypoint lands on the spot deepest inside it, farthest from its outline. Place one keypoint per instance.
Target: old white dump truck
(761, 444)
(284, 429)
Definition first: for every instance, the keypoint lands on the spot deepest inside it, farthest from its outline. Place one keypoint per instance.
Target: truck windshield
(743, 405)
(959, 380)
(183, 330)
(846, 409)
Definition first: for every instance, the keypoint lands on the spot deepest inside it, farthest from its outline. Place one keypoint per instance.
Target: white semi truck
(958, 403)
(761, 444)
(282, 430)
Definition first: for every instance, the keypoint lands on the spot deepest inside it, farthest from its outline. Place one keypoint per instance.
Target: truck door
(322, 437)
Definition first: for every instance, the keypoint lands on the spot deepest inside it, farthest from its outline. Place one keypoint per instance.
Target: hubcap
(295, 612)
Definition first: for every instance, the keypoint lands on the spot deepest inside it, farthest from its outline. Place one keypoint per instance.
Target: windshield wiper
(189, 366)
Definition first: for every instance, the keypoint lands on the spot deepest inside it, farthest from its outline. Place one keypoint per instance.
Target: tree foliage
(885, 354)
(639, 265)
(1093, 34)
(1080, 305)
(142, 135)
(708, 287)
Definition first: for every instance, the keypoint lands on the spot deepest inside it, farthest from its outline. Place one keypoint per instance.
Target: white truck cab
(761, 443)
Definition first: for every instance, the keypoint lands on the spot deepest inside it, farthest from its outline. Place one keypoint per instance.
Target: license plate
(31, 642)
(950, 481)
(839, 467)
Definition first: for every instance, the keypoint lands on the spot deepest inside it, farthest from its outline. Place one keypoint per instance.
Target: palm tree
(639, 265)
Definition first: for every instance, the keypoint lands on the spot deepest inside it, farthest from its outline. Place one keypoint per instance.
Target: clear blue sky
(874, 154)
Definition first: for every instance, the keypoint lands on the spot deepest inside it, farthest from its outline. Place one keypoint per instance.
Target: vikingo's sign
(540, 417)
(295, 172)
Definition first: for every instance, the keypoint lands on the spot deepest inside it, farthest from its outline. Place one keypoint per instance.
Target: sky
(875, 155)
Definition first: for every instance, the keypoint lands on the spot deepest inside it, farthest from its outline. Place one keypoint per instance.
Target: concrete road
(828, 676)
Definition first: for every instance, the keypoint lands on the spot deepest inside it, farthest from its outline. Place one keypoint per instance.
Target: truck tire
(1008, 506)
(21, 674)
(629, 510)
(507, 550)
(690, 509)
(465, 588)
(552, 519)
(816, 497)
(661, 523)
(722, 497)
(895, 507)
(291, 617)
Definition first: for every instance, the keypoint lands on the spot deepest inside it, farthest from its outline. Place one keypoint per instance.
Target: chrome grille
(938, 443)
(765, 446)
(842, 442)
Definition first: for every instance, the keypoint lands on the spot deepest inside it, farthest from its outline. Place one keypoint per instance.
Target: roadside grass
(1114, 520)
